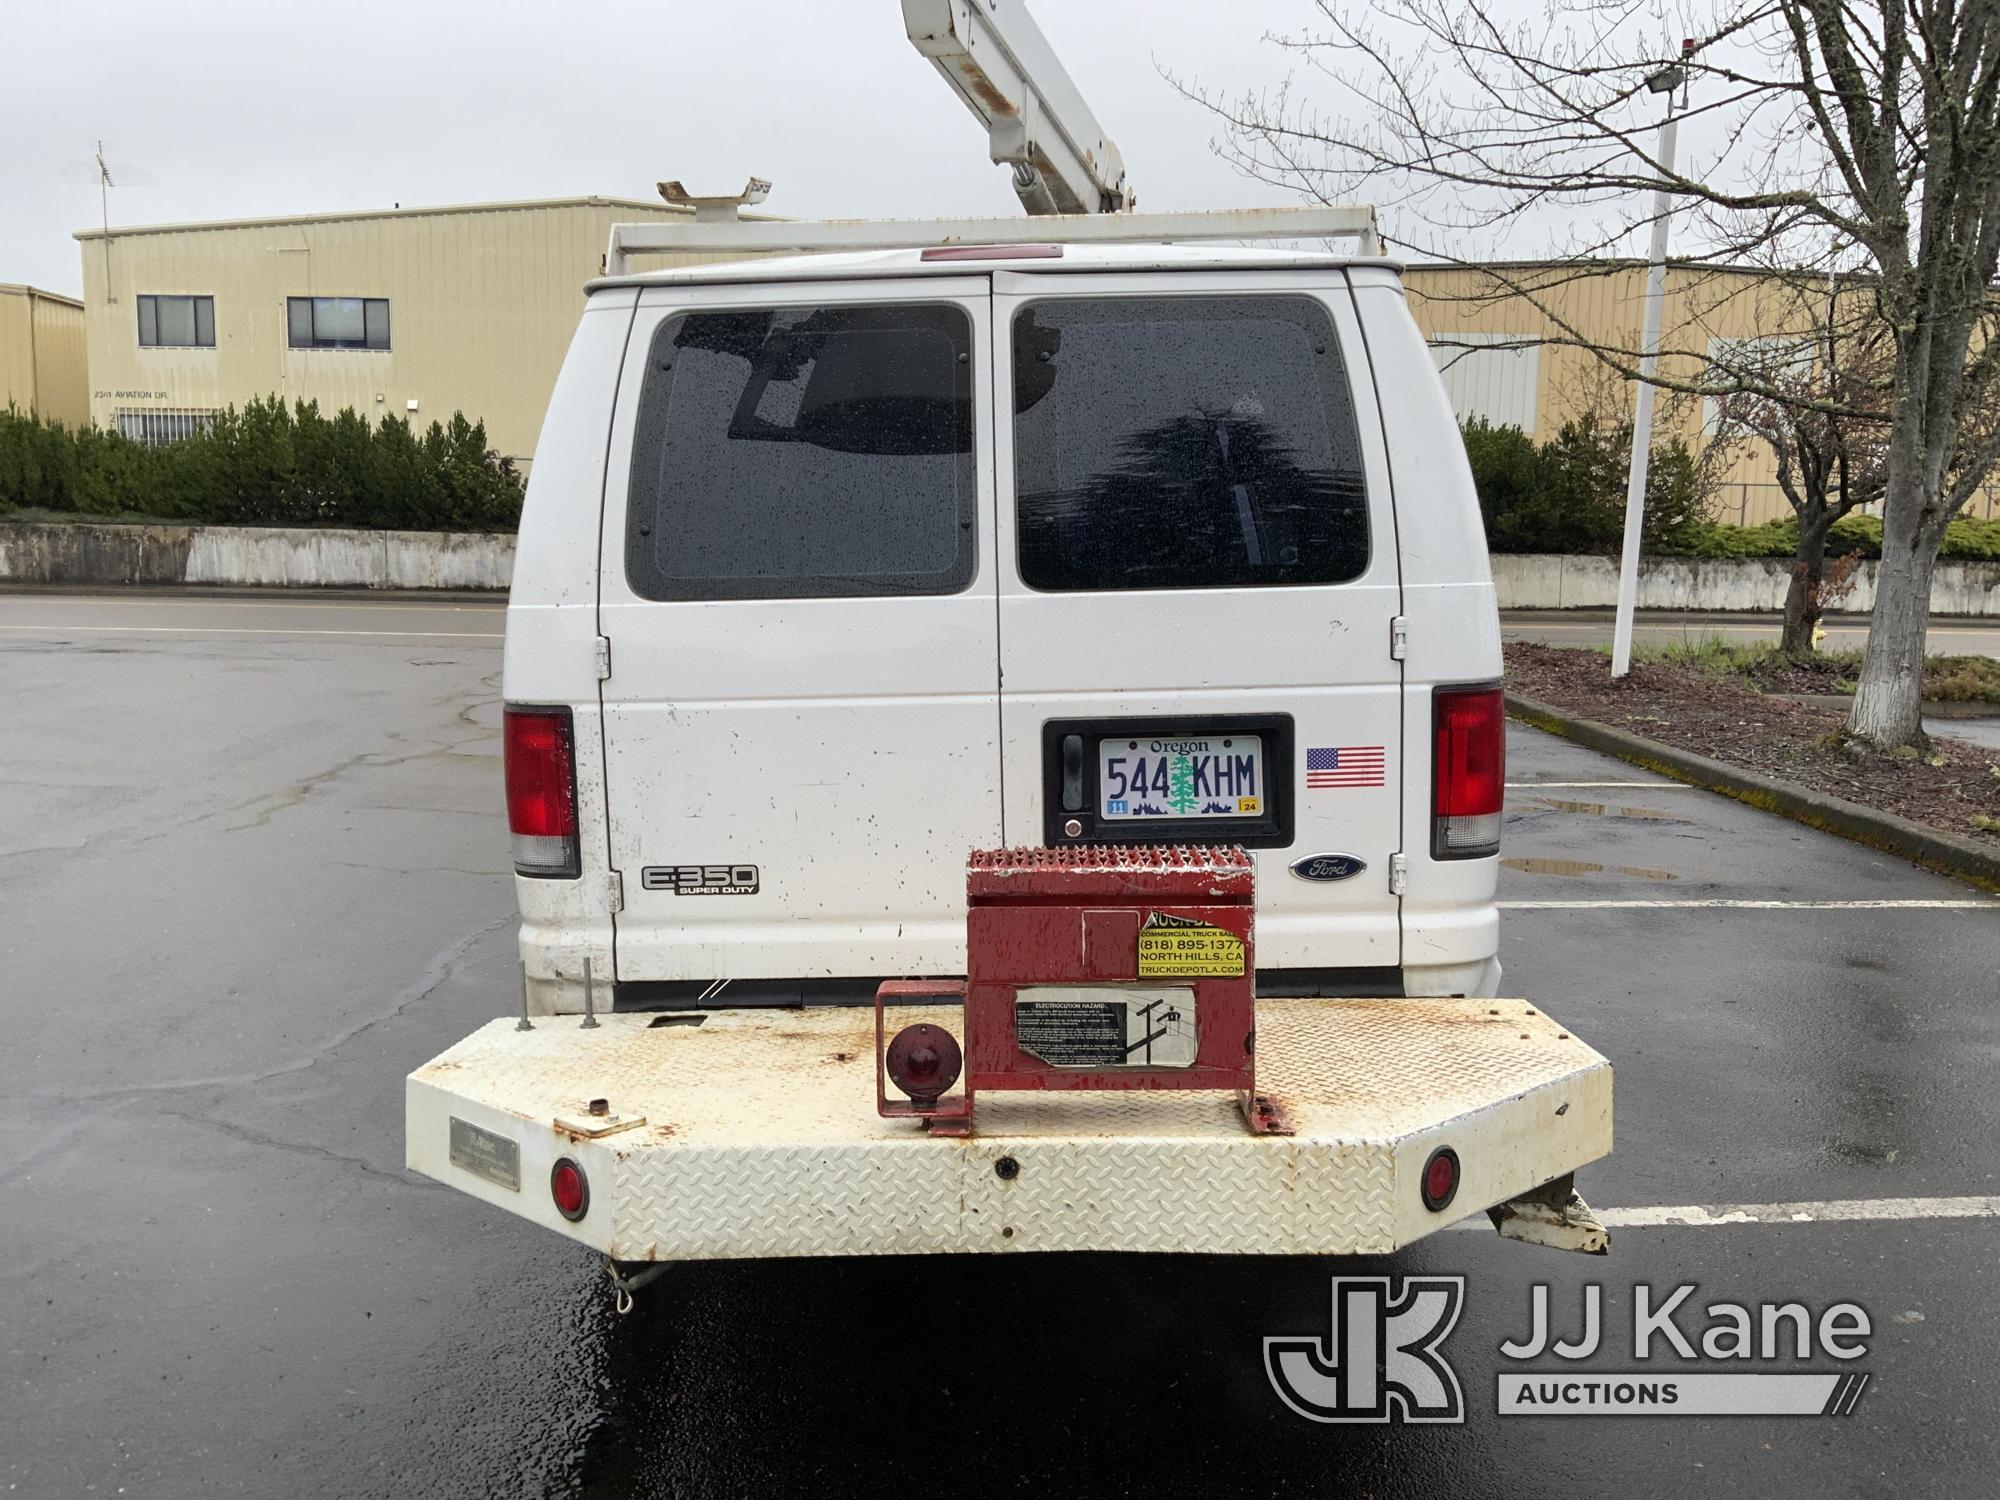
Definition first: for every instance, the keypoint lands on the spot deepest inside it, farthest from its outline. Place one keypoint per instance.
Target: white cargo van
(836, 567)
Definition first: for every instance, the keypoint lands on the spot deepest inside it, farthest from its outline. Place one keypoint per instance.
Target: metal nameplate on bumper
(762, 1140)
(485, 1154)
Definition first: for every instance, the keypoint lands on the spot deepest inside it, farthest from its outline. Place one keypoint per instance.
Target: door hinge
(1399, 637)
(603, 658)
(614, 889)
(1399, 873)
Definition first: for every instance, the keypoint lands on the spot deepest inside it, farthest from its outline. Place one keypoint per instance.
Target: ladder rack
(768, 236)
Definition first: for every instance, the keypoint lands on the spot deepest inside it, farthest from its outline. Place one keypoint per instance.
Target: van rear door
(798, 590)
(1199, 579)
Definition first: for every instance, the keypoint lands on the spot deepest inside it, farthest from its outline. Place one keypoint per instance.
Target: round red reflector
(923, 1061)
(1440, 1184)
(570, 1188)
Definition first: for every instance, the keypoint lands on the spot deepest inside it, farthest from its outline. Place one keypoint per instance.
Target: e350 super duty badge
(701, 880)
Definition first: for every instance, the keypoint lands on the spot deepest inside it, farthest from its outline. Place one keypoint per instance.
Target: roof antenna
(108, 174)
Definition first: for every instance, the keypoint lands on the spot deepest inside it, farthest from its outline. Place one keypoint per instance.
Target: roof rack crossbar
(806, 235)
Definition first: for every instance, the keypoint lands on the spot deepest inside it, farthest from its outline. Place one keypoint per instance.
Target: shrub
(268, 465)
(1568, 494)
(1965, 539)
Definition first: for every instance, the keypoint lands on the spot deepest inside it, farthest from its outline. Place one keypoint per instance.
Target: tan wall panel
(1571, 312)
(482, 306)
(42, 355)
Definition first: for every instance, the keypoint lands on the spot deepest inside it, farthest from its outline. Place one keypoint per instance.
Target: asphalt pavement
(253, 870)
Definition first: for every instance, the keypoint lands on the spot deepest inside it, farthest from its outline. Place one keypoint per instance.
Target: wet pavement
(252, 873)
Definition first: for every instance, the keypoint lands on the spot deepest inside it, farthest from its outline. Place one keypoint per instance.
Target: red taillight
(570, 1188)
(541, 791)
(1440, 1181)
(1468, 771)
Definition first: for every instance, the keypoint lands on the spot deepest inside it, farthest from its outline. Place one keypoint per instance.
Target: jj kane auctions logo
(1381, 1359)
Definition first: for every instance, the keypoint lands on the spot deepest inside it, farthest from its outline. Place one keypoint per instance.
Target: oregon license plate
(1167, 776)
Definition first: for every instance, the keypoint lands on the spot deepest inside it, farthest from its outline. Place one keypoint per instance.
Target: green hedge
(268, 465)
(1966, 540)
(1568, 495)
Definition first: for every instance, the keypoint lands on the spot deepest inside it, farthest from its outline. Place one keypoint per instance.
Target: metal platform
(761, 1138)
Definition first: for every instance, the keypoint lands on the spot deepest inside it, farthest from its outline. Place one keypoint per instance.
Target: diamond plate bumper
(761, 1137)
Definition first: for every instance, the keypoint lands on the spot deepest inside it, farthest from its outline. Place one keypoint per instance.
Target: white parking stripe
(404, 635)
(154, 601)
(1827, 1211)
(1975, 903)
(1651, 787)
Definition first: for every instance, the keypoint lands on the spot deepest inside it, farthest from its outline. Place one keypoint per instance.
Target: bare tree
(1834, 138)
(1824, 420)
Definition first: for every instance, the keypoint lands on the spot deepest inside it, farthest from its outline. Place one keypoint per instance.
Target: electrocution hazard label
(1180, 948)
(1079, 1027)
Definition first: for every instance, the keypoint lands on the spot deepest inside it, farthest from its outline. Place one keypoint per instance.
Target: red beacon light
(924, 1061)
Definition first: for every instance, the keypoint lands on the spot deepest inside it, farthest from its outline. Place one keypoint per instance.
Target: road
(253, 870)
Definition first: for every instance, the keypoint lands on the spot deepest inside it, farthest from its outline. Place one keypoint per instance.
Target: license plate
(1168, 776)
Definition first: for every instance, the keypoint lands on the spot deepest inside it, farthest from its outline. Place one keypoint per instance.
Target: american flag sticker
(1346, 765)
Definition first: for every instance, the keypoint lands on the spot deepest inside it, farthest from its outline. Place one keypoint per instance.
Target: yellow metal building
(41, 354)
(1513, 344)
(413, 312)
(423, 312)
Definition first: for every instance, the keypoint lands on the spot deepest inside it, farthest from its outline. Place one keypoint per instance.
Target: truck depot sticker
(1182, 948)
(1082, 1027)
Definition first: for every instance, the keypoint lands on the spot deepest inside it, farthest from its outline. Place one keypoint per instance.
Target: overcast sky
(238, 109)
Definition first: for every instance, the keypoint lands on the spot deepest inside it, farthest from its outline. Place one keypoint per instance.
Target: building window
(158, 426)
(176, 322)
(338, 322)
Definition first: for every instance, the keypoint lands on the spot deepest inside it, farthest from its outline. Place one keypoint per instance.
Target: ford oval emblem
(1327, 866)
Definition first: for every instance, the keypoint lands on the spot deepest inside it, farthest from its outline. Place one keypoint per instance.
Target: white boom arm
(996, 59)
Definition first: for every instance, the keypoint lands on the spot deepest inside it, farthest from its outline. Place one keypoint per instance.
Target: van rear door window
(805, 452)
(1185, 442)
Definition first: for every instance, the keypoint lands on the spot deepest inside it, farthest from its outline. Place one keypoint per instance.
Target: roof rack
(766, 236)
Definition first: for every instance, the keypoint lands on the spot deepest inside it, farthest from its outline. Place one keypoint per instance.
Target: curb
(1931, 848)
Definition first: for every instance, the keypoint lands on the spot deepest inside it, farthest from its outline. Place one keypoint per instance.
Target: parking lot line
(1826, 1211)
(1823, 1211)
(1649, 787)
(211, 601)
(1972, 903)
(455, 635)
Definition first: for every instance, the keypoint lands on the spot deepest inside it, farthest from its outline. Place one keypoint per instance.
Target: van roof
(972, 260)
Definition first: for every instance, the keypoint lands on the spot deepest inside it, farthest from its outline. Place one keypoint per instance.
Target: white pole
(1642, 416)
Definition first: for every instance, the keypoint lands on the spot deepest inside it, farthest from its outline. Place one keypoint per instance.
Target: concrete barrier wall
(273, 557)
(255, 556)
(1542, 581)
